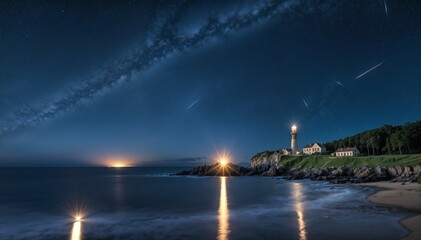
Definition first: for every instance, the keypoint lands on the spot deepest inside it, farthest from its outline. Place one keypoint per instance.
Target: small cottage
(314, 148)
(347, 152)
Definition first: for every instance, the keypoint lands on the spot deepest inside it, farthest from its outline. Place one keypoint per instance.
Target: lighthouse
(294, 139)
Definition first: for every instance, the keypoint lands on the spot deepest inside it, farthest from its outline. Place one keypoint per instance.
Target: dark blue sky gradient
(251, 83)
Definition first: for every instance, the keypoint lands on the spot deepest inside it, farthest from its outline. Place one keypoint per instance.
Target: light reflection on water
(297, 193)
(119, 192)
(77, 231)
(223, 212)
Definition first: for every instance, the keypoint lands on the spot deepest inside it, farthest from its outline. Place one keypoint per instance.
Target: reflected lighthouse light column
(297, 193)
(223, 212)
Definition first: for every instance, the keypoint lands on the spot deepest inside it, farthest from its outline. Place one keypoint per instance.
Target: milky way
(166, 39)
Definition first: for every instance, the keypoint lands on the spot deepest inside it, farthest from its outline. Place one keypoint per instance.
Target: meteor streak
(340, 84)
(385, 8)
(191, 105)
(305, 103)
(369, 70)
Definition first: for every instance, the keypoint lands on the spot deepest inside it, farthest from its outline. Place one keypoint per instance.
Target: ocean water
(146, 203)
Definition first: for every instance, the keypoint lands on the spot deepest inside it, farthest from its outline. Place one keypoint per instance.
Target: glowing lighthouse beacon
(294, 139)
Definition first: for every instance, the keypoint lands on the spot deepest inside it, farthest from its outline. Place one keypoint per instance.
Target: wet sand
(406, 196)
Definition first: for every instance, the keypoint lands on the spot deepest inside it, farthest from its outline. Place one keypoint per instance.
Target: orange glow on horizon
(119, 165)
(118, 162)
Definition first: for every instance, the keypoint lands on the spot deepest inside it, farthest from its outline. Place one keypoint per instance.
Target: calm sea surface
(146, 203)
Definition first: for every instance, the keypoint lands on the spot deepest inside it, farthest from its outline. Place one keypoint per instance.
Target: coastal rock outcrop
(334, 175)
(262, 162)
(273, 163)
(273, 171)
(218, 169)
(297, 167)
(356, 175)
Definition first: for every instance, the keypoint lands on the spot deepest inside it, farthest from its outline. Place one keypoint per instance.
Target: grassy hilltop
(323, 161)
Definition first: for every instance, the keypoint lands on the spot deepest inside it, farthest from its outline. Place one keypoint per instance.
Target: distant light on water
(78, 219)
(78, 212)
(223, 212)
(223, 160)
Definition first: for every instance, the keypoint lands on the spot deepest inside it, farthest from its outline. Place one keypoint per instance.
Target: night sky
(169, 80)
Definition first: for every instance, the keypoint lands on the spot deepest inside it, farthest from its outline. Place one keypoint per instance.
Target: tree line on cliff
(403, 139)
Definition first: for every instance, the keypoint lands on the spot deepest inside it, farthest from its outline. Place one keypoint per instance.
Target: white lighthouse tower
(294, 139)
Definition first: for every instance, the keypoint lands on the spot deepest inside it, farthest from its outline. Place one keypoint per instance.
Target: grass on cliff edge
(323, 161)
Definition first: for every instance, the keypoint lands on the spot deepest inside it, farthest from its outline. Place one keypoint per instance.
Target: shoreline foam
(407, 196)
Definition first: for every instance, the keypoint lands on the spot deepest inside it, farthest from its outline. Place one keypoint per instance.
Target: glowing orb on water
(78, 218)
(78, 210)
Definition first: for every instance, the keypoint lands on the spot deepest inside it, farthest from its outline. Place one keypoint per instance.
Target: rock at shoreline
(229, 169)
(356, 175)
(334, 175)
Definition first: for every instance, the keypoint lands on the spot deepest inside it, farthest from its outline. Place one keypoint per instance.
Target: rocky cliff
(217, 170)
(317, 168)
(356, 175)
(276, 164)
(263, 161)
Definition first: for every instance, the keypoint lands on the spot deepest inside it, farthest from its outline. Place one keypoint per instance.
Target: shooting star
(191, 105)
(385, 8)
(305, 103)
(369, 70)
(340, 84)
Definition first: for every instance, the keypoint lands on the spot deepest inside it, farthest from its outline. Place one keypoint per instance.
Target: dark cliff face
(266, 159)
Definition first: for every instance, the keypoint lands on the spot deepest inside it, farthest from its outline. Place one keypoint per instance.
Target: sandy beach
(406, 196)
